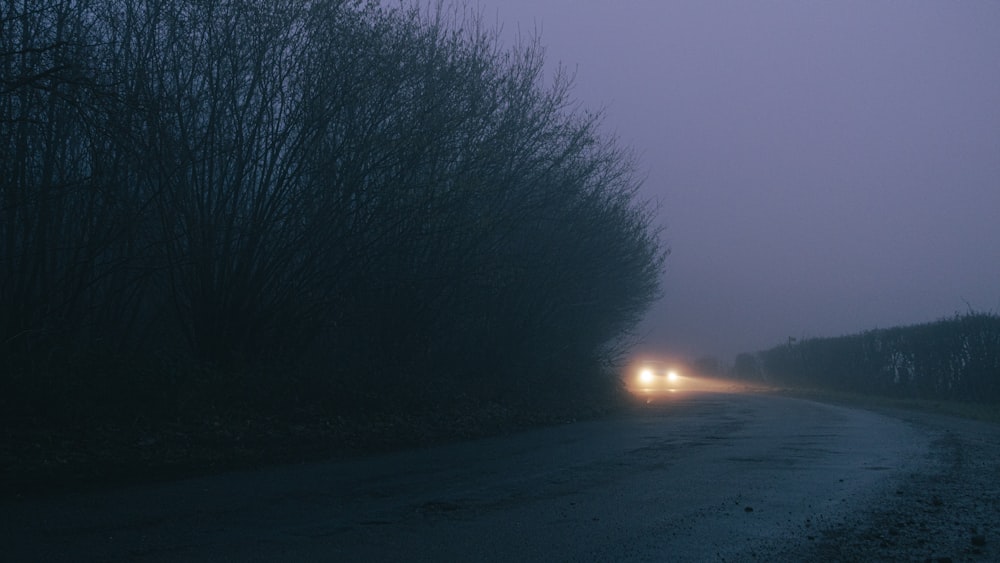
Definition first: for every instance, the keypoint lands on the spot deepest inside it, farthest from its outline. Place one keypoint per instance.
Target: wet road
(699, 477)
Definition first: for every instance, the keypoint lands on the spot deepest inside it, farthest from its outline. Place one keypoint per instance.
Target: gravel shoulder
(947, 512)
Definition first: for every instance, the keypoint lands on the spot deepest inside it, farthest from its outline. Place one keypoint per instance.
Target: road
(697, 477)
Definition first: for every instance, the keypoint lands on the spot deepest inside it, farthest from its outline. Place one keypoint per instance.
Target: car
(655, 376)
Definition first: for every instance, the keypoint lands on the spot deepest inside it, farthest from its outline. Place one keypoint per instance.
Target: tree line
(326, 203)
(951, 359)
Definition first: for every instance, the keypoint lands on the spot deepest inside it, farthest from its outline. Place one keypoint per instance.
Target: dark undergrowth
(49, 454)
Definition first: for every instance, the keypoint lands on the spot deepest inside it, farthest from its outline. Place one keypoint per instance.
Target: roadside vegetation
(950, 366)
(251, 224)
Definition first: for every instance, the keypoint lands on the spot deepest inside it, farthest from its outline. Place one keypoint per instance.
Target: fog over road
(698, 477)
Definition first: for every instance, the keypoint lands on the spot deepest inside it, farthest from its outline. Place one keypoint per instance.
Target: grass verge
(973, 411)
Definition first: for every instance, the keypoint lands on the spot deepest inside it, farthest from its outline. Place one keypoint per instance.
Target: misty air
(499, 280)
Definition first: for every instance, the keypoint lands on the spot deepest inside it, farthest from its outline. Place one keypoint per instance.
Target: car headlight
(672, 376)
(646, 376)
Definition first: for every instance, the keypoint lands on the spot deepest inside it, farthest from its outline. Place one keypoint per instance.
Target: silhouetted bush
(953, 359)
(271, 205)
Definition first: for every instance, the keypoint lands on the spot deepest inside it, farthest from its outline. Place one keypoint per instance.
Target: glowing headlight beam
(646, 376)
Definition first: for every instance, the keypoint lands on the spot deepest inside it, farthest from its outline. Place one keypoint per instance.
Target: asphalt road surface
(695, 477)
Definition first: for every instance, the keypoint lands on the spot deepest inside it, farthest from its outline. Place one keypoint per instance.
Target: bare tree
(367, 191)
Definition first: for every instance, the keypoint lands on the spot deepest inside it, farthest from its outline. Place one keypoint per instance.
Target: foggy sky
(822, 168)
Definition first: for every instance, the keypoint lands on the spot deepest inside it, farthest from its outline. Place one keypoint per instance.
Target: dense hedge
(954, 359)
(270, 204)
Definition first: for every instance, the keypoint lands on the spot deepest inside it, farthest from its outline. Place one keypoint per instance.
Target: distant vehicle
(655, 376)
